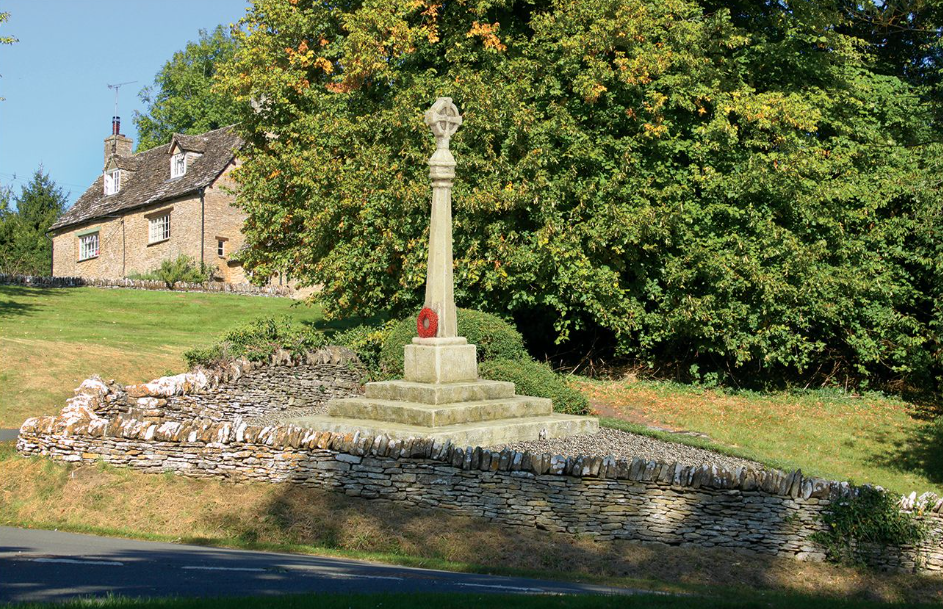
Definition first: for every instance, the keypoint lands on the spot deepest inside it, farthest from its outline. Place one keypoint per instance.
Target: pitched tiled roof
(150, 181)
(191, 143)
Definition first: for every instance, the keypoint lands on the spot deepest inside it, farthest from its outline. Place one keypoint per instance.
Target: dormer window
(112, 181)
(178, 165)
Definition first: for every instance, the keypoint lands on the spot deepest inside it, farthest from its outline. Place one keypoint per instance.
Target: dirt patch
(606, 409)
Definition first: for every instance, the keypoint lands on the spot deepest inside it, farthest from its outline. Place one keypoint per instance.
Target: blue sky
(55, 80)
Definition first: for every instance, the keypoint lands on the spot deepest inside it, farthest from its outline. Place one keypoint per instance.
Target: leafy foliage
(25, 249)
(870, 517)
(183, 268)
(367, 341)
(494, 338)
(256, 341)
(5, 16)
(214, 355)
(182, 98)
(750, 189)
(536, 379)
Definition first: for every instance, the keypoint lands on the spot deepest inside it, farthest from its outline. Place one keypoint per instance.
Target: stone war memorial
(441, 396)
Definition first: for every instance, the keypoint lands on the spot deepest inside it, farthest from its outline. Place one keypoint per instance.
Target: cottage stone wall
(123, 242)
(223, 220)
(109, 263)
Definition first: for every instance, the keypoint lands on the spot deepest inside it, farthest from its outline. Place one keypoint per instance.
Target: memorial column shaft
(440, 295)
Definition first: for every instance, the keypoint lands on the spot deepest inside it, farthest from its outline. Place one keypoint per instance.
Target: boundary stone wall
(239, 389)
(146, 284)
(765, 511)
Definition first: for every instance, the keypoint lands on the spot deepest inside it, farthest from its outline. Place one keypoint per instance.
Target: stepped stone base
(440, 393)
(471, 413)
(439, 415)
(480, 433)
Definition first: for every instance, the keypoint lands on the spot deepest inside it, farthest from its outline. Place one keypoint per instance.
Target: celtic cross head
(443, 118)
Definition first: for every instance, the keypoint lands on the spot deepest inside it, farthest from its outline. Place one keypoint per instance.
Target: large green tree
(25, 248)
(182, 98)
(738, 189)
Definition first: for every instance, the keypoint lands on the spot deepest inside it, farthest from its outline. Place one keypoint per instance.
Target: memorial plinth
(441, 396)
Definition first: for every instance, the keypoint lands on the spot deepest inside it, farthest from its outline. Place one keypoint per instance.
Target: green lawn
(469, 601)
(868, 438)
(52, 339)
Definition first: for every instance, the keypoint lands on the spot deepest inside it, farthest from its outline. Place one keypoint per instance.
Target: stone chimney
(117, 144)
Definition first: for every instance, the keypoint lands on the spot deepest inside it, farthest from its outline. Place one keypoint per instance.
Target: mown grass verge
(464, 601)
(105, 500)
(53, 338)
(868, 438)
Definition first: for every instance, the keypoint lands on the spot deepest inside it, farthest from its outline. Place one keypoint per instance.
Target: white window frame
(89, 246)
(221, 247)
(112, 181)
(178, 165)
(158, 228)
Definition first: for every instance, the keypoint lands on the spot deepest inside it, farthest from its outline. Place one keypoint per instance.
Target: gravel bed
(606, 442)
(626, 445)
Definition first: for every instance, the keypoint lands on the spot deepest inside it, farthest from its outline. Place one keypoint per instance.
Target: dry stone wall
(759, 510)
(200, 424)
(762, 511)
(268, 391)
(146, 284)
(240, 389)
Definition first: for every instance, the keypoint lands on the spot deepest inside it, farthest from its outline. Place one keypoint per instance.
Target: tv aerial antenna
(116, 87)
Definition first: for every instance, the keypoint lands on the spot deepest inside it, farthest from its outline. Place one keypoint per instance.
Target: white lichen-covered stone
(168, 386)
(92, 386)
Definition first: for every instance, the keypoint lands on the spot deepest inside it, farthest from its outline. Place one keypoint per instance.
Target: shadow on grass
(921, 452)
(447, 539)
(16, 300)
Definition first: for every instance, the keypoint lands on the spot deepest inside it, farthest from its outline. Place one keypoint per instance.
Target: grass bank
(465, 601)
(53, 338)
(869, 438)
(105, 500)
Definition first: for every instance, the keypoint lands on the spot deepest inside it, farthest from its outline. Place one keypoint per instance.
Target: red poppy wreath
(427, 324)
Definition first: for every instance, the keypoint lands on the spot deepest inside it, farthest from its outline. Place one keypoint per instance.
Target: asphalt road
(38, 565)
(8, 434)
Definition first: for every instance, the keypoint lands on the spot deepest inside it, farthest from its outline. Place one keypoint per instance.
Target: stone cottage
(153, 206)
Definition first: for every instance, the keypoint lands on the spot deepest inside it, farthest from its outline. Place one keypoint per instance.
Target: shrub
(494, 337)
(366, 340)
(262, 337)
(536, 379)
(257, 341)
(182, 269)
(206, 356)
(870, 517)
